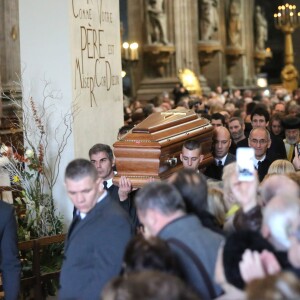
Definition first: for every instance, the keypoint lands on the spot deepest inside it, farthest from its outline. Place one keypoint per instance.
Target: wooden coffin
(153, 147)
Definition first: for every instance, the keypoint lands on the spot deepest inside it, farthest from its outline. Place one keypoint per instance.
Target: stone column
(240, 45)
(185, 13)
(9, 46)
(156, 70)
(211, 46)
(161, 63)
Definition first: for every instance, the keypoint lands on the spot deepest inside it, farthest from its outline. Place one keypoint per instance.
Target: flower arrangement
(27, 172)
(33, 167)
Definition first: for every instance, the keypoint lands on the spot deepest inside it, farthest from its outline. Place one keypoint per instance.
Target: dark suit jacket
(214, 171)
(263, 168)
(10, 263)
(203, 242)
(94, 251)
(128, 204)
(277, 148)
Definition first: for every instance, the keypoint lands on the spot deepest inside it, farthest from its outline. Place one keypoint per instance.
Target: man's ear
(113, 163)
(267, 124)
(230, 141)
(181, 156)
(152, 217)
(201, 158)
(269, 143)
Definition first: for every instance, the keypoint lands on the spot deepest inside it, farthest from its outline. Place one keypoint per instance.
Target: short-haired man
(217, 120)
(279, 108)
(102, 157)
(236, 126)
(292, 135)
(260, 119)
(260, 141)
(9, 253)
(221, 145)
(97, 237)
(161, 209)
(191, 155)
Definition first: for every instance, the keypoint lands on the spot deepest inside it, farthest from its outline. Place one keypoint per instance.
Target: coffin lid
(163, 120)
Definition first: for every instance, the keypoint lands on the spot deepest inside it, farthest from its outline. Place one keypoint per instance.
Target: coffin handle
(172, 162)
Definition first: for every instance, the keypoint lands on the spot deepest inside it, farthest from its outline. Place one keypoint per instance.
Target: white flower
(3, 149)
(29, 153)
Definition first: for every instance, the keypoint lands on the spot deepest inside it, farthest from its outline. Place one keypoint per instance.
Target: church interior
(169, 69)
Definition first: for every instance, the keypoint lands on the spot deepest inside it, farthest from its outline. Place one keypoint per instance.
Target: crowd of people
(201, 234)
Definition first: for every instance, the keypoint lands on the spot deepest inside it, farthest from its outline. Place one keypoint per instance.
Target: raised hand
(125, 187)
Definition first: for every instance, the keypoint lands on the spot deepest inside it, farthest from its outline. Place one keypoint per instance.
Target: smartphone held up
(245, 164)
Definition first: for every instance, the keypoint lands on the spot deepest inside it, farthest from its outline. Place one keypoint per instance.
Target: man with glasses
(260, 141)
(260, 119)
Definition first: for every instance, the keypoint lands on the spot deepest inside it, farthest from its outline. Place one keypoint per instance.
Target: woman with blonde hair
(216, 205)
(281, 166)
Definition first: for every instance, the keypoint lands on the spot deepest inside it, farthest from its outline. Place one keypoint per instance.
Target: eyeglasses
(295, 233)
(261, 142)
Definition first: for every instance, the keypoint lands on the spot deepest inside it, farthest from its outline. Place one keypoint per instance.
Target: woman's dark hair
(149, 254)
(235, 246)
(193, 188)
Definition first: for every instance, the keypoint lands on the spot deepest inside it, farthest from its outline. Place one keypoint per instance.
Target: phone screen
(245, 163)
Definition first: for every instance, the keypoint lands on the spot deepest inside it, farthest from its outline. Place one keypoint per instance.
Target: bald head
(280, 212)
(260, 141)
(278, 184)
(222, 142)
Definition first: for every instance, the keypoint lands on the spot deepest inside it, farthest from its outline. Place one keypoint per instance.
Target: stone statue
(157, 22)
(234, 24)
(261, 29)
(209, 19)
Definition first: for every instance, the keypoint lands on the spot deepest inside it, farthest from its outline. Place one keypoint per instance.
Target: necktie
(105, 185)
(220, 163)
(258, 164)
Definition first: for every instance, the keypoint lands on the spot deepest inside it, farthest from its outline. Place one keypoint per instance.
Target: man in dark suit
(102, 158)
(221, 145)
(236, 127)
(260, 118)
(9, 262)
(101, 155)
(97, 237)
(260, 140)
